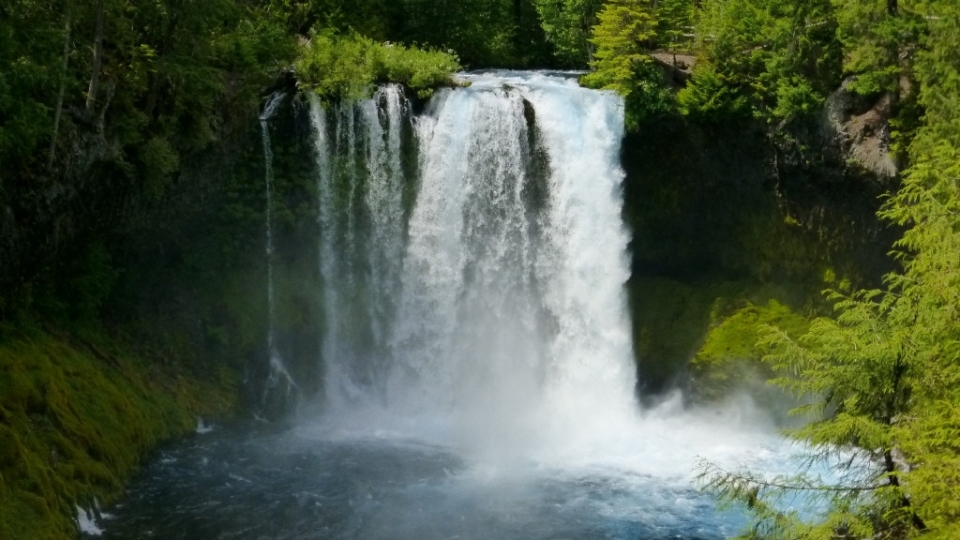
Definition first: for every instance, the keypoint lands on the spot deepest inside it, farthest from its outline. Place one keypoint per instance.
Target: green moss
(729, 358)
(670, 319)
(75, 422)
(674, 320)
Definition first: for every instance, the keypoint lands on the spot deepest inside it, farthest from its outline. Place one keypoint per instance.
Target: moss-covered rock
(729, 358)
(673, 320)
(76, 418)
(702, 336)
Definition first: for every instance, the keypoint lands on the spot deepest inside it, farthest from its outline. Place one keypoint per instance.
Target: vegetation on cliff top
(348, 66)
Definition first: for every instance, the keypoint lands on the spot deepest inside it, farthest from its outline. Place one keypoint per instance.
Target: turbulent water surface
(325, 481)
(478, 371)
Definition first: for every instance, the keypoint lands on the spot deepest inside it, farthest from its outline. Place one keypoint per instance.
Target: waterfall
(477, 372)
(500, 300)
(360, 182)
(279, 376)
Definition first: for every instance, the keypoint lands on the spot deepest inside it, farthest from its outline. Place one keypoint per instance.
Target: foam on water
(87, 522)
(495, 319)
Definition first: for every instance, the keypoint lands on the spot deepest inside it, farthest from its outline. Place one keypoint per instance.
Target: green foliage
(367, 17)
(706, 329)
(857, 368)
(76, 418)
(887, 369)
(879, 42)
(567, 25)
(31, 43)
(336, 66)
(491, 33)
(776, 59)
(166, 72)
(675, 19)
(625, 32)
(650, 97)
(710, 97)
(730, 357)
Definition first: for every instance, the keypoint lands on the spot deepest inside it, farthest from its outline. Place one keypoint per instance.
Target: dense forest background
(131, 216)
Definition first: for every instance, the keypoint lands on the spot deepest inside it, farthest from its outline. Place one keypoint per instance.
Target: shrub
(347, 66)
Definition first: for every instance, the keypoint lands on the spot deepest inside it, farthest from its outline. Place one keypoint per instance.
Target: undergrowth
(76, 419)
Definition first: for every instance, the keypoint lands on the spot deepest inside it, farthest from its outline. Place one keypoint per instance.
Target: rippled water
(326, 480)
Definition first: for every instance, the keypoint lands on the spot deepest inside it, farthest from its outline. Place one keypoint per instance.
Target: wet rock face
(861, 129)
(740, 213)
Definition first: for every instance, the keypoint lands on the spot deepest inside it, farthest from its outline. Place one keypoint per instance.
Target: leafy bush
(624, 34)
(347, 66)
(710, 97)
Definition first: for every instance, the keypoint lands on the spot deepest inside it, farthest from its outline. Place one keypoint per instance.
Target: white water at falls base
(494, 320)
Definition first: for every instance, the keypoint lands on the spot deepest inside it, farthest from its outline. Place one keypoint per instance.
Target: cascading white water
(501, 300)
(493, 317)
(278, 376)
(384, 203)
(361, 236)
(513, 314)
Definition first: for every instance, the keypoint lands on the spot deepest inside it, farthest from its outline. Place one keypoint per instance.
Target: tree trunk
(63, 84)
(159, 77)
(97, 60)
(894, 408)
(894, 481)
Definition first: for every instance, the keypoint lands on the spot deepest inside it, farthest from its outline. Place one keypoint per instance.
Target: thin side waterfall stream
(478, 375)
(279, 379)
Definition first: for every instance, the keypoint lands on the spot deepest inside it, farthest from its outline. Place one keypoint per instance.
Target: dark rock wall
(729, 215)
(719, 213)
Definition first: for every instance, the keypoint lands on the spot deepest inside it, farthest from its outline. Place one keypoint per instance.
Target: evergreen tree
(31, 50)
(625, 31)
(567, 24)
(880, 39)
(776, 59)
(675, 24)
(887, 370)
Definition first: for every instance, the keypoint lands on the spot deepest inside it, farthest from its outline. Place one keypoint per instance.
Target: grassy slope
(77, 418)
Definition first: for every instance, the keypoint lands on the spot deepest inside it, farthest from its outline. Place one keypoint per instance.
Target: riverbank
(78, 415)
